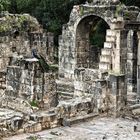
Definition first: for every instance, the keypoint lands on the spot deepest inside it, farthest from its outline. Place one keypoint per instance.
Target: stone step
(131, 102)
(131, 95)
(105, 58)
(65, 95)
(104, 66)
(110, 38)
(78, 119)
(106, 51)
(108, 45)
(135, 106)
(64, 86)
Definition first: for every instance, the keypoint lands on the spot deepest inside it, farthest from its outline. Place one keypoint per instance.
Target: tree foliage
(4, 4)
(131, 2)
(52, 14)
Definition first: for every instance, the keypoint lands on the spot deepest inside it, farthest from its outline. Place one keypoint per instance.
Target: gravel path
(99, 129)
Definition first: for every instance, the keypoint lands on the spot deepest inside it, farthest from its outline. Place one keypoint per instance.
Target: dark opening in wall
(90, 38)
(16, 34)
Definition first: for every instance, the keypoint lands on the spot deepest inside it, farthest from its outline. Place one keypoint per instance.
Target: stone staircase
(65, 90)
(131, 98)
(106, 52)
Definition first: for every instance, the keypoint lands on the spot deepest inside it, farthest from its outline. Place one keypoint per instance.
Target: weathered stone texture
(118, 55)
(32, 84)
(22, 34)
(76, 107)
(119, 91)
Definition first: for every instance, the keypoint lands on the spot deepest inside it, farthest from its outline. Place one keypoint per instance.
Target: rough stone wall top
(109, 10)
(19, 35)
(21, 22)
(105, 2)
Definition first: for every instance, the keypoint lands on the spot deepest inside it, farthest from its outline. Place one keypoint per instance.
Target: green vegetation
(52, 14)
(131, 2)
(34, 103)
(97, 34)
(4, 5)
(17, 21)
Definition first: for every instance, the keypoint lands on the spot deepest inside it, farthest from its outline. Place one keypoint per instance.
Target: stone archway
(117, 16)
(88, 55)
(67, 42)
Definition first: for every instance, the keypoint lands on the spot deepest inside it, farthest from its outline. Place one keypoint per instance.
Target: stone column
(119, 92)
(50, 98)
(119, 53)
(138, 65)
(131, 61)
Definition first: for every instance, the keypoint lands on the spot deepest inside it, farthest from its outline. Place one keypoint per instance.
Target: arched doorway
(90, 38)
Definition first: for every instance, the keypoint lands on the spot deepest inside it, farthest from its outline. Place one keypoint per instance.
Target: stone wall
(30, 83)
(109, 91)
(21, 37)
(74, 42)
(22, 46)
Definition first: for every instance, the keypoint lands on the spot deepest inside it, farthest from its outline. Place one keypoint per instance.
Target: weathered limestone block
(50, 94)
(47, 119)
(15, 123)
(32, 126)
(16, 104)
(86, 82)
(75, 107)
(27, 84)
(118, 90)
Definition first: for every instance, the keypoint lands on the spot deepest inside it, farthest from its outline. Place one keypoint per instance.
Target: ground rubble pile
(15, 120)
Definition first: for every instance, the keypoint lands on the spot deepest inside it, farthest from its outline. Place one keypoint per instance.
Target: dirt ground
(97, 129)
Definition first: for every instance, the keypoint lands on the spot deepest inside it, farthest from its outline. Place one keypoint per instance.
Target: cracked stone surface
(97, 129)
(7, 114)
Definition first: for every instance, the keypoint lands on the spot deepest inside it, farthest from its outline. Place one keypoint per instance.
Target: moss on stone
(10, 22)
(34, 103)
(81, 11)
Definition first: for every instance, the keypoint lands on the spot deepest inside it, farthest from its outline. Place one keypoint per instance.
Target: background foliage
(52, 14)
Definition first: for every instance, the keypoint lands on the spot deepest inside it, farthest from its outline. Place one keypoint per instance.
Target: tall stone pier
(138, 67)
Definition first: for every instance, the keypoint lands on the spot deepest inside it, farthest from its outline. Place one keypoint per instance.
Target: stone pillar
(138, 65)
(131, 61)
(118, 89)
(50, 95)
(119, 53)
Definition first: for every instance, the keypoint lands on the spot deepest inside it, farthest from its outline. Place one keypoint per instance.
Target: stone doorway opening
(90, 38)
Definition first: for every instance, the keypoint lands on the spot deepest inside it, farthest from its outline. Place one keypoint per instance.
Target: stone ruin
(89, 82)
(114, 83)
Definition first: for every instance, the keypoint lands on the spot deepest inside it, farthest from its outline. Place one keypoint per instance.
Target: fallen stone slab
(79, 119)
(136, 106)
